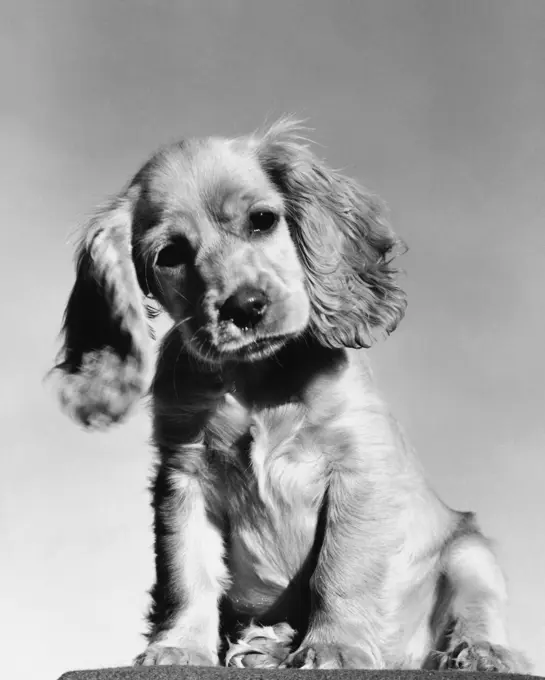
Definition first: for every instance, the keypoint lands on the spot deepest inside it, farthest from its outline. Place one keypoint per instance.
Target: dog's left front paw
(483, 656)
(158, 654)
(328, 656)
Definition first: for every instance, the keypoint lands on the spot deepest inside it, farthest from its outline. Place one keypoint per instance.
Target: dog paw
(261, 647)
(483, 656)
(328, 656)
(161, 655)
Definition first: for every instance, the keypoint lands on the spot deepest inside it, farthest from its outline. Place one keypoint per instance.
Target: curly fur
(261, 647)
(345, 244)
(293, 526)
(105, 361)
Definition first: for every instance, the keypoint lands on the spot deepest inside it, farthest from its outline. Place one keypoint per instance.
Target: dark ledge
(193, 673)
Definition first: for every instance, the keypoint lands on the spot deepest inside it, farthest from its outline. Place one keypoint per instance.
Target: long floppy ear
(104, 363)
(345, 245)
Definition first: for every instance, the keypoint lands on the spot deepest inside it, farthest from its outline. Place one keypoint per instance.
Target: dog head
(246, 243)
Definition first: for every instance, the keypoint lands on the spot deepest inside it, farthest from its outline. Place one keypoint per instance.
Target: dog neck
(285, 376)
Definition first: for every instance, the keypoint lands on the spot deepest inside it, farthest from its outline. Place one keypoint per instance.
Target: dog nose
(245, 308)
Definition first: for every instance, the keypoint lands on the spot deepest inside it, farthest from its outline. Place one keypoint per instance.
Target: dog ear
(105, 360)
(345, 244)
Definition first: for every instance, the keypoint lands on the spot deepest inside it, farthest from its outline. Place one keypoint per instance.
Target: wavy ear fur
(105, 360)
(345, 245)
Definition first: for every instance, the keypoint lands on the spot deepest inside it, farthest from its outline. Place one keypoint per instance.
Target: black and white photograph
(273, 374)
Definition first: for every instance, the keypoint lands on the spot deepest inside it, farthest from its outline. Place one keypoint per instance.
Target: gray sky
(437, 105)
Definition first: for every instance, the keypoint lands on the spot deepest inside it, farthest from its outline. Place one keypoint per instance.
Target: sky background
(437, 105)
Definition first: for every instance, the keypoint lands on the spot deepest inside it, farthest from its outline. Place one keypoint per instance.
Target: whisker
(146, 261)
(174, 328)
(180, 295)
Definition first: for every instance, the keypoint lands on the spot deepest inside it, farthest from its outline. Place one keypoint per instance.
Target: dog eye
(175, 254)
(262, 220)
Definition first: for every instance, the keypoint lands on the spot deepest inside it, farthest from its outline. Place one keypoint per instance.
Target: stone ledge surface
(194, 673)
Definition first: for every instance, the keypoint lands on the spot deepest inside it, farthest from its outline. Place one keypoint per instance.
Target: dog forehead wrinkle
(224, 202)
(226, 174)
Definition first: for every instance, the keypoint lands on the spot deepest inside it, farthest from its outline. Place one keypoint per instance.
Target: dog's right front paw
(162, 655)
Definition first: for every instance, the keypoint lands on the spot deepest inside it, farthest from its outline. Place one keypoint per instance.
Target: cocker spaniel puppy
(293, 526)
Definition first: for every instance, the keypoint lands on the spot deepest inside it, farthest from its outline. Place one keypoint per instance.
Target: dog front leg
(190, 571)
(348, 581)
(475, 627)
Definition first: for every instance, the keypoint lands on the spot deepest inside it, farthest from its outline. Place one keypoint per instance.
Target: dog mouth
(251, 348)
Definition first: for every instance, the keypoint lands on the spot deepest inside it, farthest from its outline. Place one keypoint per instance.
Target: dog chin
(255, 350)
(252, 350)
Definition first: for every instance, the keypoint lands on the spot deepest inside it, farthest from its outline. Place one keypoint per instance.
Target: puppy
(293, 526)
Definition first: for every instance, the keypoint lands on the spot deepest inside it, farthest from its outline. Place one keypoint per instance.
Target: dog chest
(273, 506)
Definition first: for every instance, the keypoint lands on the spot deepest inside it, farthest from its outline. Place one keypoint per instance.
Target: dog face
(246, 243)
(213, 246)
